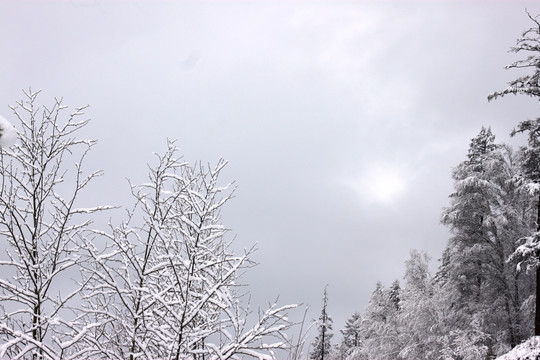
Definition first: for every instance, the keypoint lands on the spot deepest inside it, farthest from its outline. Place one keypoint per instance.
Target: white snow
(529, 350)
(8, 134)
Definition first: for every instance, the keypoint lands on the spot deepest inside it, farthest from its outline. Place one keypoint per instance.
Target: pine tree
(322, 345)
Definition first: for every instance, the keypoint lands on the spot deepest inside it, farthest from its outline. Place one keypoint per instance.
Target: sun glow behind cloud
(380, 183)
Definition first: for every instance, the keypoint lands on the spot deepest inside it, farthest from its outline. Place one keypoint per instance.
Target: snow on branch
(38, 190)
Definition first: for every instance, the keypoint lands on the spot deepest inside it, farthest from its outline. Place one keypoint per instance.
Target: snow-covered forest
(483, 300)
(161, 276)
(480, 303)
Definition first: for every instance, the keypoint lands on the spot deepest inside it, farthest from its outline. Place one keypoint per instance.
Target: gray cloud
(300, 98)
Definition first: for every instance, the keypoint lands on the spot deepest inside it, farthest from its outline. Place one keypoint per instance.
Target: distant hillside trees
(478, 304)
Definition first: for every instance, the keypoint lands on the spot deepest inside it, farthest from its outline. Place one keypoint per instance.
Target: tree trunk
(537, 311)
(537, 305)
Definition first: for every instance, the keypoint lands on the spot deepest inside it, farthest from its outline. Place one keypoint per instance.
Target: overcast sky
(341, 121)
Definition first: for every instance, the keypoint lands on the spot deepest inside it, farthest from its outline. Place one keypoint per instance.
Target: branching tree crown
(528, 43)
(42, 224)
(164, 286)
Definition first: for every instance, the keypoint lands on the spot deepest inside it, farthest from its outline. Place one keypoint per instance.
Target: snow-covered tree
(42, 225)
(298, 342)
(162, 284)
(529, 84)
(488, 212)
(530, 349)
(322, 344)
(167, 285)
(379, 325)
(419, 320)
(478, 305)
(394, 294)
(351, 334)
(528, 43)
(529, 251)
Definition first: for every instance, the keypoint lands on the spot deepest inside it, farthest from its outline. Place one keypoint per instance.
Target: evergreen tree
(351, 334)
(477, 305)
(394, 294)
(418, 321)
(379, 330)
(322, 345)
(529, 251)
(529, 84)
(487, 214)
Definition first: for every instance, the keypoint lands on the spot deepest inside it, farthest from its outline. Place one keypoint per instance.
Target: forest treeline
(480, 302)
(483, 299)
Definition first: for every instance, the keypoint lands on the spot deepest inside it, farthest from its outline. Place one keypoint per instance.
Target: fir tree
(351, 333)
(322, 345)
(394, 294)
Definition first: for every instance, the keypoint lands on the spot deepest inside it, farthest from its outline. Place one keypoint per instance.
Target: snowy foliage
(529, 350)
(529, 84)
(480, 304)
(8, 134)
(351, 334)
(477, 305)
(527, 251)
(378, 326)
(528, 42)
(489, 212)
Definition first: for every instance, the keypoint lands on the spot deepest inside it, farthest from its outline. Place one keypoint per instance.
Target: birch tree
(41, 226)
